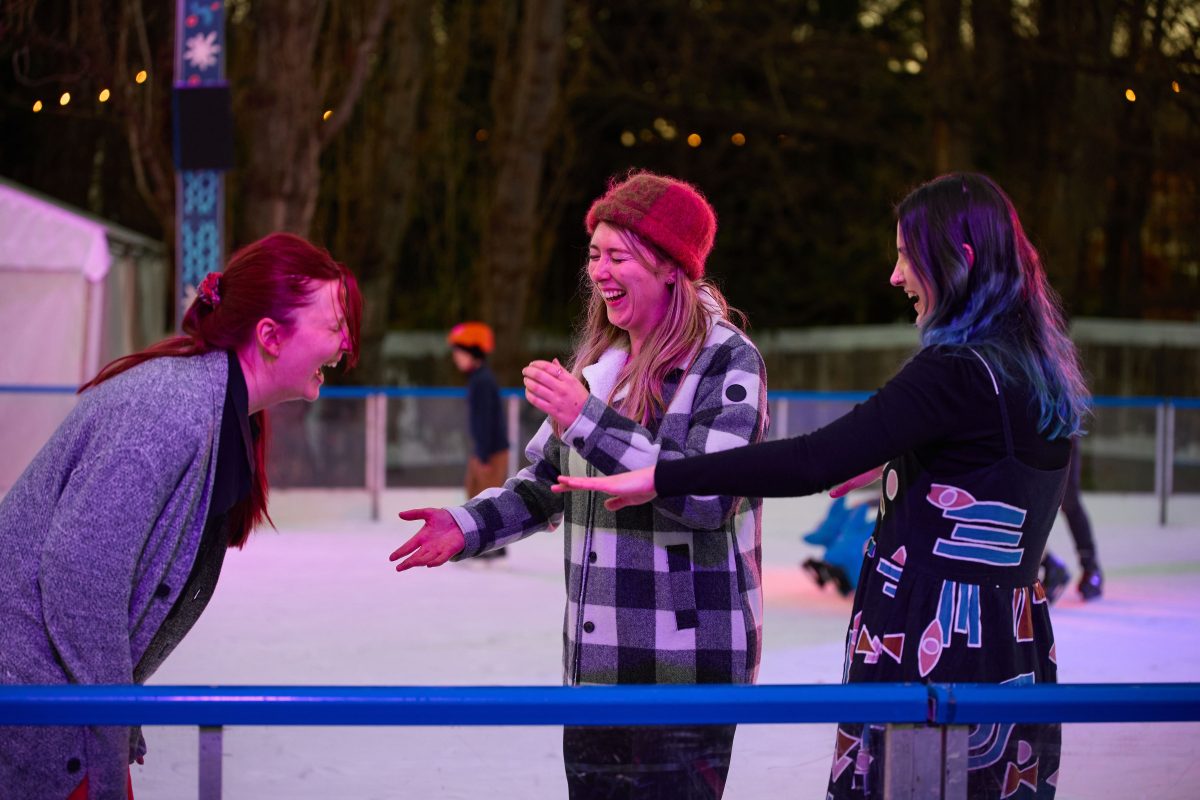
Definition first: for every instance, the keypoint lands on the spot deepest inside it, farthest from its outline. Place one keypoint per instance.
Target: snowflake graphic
(202, 50)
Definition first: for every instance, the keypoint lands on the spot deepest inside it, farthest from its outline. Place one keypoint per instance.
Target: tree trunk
(378, 181)
(283, 108)
(524, 117)
(944, 72)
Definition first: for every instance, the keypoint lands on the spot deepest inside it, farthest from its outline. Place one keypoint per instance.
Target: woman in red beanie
(975, 434)
(664, 593)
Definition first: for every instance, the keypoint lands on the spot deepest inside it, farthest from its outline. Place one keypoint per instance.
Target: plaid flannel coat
(667, 592)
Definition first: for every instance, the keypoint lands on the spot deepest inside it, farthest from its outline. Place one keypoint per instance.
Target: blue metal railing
(910, 710)
(939, 704)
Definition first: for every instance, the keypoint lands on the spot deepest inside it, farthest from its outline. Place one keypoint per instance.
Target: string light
(64, 98)
(104, 95)
(141, 76)
(1131, 95)
(37, 106)
(628, 139)
(738, 139)
(693, 140)
(1175, 87)
(482, 135)
(328, 113)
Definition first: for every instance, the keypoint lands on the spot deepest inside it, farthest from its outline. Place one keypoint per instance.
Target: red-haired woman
(112, 540)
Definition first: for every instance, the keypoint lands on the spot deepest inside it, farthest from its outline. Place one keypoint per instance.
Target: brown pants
(486, 474)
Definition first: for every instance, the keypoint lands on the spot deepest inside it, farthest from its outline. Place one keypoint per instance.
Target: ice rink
(318, 603)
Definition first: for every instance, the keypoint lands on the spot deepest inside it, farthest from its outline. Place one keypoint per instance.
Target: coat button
(73, 765)
(162, 591)
(588, 627)
(592, 557)
(579, 442)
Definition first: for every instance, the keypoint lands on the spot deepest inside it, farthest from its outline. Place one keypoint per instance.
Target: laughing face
(635, 297)
(905, 277)
(318, 339)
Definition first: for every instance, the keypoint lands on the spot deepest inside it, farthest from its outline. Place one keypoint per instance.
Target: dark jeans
(1077, 518)
(647, 762)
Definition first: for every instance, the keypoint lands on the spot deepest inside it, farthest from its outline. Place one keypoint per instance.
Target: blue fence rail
(936, 704)
(926, 724)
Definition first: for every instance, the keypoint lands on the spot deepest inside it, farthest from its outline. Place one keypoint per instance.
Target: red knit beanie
(671, 214)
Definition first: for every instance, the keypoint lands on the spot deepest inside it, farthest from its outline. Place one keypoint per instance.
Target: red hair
(269, 278)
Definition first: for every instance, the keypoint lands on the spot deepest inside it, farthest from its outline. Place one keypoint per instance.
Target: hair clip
(209, 290)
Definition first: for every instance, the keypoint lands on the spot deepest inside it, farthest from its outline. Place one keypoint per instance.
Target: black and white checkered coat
(668, 592)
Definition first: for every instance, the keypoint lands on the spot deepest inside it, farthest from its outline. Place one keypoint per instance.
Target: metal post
(376, 451)
(514, 435)
(924, 762)
(779, 419)
(912, 766)
(210, 762)
(954, 758)
(1164, 459)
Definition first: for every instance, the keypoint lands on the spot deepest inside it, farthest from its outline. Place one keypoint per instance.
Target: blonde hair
(674, 343)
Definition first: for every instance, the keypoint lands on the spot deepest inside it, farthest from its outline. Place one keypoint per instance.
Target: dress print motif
(949, 593)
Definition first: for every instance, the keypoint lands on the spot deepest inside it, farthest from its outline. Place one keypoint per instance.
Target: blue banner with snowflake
(199, 194)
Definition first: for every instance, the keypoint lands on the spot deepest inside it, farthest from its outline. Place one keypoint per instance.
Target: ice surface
(318, 603)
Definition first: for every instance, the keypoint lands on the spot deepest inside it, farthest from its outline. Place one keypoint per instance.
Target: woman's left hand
(554, 391)
(628, 488)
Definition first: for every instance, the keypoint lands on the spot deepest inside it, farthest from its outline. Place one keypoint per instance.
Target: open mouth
(319, 372)
(612, 295)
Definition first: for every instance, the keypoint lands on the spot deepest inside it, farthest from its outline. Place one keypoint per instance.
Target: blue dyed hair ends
(998, 301)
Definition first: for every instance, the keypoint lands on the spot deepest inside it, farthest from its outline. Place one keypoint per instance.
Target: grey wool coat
(97, 538)
(667, 592)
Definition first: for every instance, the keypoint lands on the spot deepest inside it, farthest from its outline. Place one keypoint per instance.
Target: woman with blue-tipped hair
(974, 433)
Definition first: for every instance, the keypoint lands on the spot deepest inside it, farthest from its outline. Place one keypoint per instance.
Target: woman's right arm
(495, 517)
(918, 406)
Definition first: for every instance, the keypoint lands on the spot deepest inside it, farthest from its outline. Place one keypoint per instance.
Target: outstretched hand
(857, 482)
(628, 488)
(439, 540)
(552, 389)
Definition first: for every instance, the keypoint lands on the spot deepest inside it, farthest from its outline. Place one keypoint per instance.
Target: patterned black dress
(948, 592)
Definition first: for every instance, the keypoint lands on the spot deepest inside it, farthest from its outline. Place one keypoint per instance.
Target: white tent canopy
(75, 291)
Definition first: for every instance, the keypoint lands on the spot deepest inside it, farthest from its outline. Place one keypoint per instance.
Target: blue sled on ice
(843, 533)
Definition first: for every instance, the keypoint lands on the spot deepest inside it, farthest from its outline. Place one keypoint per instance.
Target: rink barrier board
(376, 397)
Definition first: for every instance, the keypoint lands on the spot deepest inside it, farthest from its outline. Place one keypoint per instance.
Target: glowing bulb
(1175, 87)
(37, 106)
(693, 140)
(141, 76)
(628, 139)
(738, 139)
(482, 135)
(104, 95)
(328, 113)
(64, 98)
(1131, 95)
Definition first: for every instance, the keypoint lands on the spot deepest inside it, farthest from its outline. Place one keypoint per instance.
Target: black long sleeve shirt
(942, 405)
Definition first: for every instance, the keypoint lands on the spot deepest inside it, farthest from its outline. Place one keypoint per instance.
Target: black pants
(1077, 518)
(647, 762)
